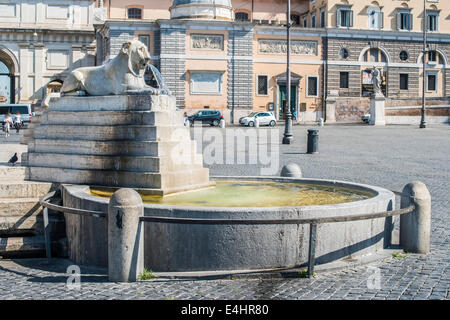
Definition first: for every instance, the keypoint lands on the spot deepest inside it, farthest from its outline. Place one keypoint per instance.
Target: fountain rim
(378, 194)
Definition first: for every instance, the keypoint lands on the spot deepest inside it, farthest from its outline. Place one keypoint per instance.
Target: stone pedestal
(331, 106)
(135, 141)
(377, 117)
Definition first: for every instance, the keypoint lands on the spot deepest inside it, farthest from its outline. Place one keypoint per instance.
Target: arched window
(241, 16)
(374, 55)
(134, 13)
(434, 57)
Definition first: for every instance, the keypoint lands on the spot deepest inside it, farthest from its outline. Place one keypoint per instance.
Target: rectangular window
(404, 20)
(313, 86)
(134, 13)
(403, 81)
(433, 21)
(305, 23)
(145, 39)
(344, 17)
(432, 82)
(343, 80)
(313, 21)
(263, 85)
(432, 57)
(322, 19)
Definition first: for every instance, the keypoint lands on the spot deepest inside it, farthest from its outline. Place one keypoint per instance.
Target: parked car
(366, 118)
(211, 117)
(265, 118)
(24, 110)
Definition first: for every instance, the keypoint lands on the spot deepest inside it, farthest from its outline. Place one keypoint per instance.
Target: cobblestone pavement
(389, 157)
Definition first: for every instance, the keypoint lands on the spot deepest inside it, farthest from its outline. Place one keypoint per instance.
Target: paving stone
(386, 157)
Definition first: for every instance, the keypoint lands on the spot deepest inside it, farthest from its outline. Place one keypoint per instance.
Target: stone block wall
(354, 88)
(351, 109)
(117, 38)
(393, 49)
(393, 81)
(172, 62)
(240, 69)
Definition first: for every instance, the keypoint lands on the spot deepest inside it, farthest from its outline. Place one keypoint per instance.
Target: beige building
(231, 55)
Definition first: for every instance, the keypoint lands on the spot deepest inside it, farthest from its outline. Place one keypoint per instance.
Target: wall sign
(298, 47)
(207, 41)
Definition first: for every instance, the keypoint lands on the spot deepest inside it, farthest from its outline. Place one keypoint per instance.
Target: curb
(282, 273)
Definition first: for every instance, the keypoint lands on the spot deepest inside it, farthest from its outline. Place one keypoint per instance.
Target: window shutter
(351, 18)
(338, 18)
(399, 20)
(410, 16)
(381, 16)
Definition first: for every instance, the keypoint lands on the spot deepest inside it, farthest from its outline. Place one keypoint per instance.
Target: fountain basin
(177, 247)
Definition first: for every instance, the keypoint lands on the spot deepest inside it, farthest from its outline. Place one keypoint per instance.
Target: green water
(255, 194)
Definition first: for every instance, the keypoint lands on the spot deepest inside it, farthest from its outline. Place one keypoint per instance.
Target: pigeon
(14, 159)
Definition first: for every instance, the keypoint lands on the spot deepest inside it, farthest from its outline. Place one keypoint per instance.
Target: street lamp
(422, 119)
(288, 138)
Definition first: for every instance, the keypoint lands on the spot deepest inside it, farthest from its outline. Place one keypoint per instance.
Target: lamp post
(422, 119)
(288, 138)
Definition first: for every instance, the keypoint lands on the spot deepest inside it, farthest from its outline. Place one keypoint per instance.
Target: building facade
(232, 55)
(40, 42)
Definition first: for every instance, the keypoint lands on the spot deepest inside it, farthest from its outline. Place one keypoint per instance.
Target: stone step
(176, 162)
(102, 133)
(24, 189)
(25, 244)
(172, 181)
(8, 151)
(114, 103)
(19, 207)
(110, 148)
(20, 225)
(34, 224)
(12, 173)
(113, 118)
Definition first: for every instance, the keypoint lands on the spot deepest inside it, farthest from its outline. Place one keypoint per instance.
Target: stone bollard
(321, 122)
(125, 236)
(222, 123)
(415, 227)
(256, 122)
(291, 170)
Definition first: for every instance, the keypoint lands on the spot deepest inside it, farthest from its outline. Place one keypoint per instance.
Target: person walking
(8, 124)
(186, 119)
(17, 122)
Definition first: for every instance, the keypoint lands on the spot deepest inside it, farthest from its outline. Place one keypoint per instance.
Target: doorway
(282, 100)
(6, 84)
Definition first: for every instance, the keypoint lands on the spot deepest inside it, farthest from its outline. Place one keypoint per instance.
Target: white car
(265, 119)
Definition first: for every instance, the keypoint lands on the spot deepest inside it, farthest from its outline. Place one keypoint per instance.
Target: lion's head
(138, 56)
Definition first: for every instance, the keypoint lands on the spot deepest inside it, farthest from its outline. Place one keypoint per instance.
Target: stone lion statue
(123, 74)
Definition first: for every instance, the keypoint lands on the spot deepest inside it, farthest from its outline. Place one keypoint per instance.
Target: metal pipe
(422, 119)
(288, 138)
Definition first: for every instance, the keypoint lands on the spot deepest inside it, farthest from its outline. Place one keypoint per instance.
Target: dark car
(211, 117)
